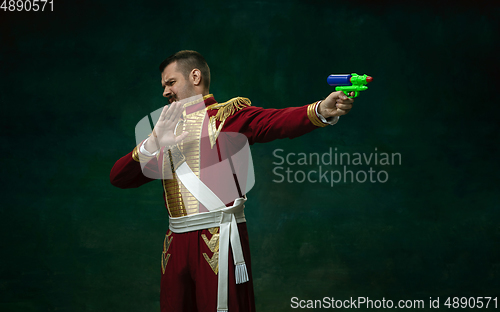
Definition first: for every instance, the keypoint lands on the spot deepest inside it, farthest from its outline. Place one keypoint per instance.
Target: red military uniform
(190, 260)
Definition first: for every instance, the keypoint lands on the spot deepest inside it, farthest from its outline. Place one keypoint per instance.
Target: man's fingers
(173, 110)
(340, 95)
(170, 111)
(181, 137)
(170, 115)
(345, 100)
(178, 112)
(175, 114)
(163, 112)
(344, 106)
(341, 112)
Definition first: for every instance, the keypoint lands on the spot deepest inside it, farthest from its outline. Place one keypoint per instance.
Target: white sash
(228, 231)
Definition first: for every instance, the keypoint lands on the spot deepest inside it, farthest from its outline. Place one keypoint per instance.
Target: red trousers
(189, 273)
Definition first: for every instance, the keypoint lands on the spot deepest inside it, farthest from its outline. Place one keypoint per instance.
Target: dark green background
(74, 83)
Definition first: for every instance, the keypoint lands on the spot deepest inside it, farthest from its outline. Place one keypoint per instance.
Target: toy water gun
(349, 83)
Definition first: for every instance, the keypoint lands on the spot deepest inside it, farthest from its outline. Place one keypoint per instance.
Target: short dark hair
(187, 60)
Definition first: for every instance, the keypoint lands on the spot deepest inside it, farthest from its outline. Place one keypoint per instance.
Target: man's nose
(166, 92)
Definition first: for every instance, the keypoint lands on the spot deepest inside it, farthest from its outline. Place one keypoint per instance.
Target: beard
(186, 92)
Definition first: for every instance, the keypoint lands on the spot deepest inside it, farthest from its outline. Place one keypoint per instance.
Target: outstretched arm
(264, 125)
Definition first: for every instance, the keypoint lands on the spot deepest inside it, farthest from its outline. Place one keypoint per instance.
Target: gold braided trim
(224, 110)
(175, 204)
(213, 245)
(311, 114)
(134, 154)
(213, 262)
(213, 131)
(228, 108)
(165, 255)
(138, 156)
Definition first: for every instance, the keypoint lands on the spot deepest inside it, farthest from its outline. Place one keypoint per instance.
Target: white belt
(200, 221)
(218, 216)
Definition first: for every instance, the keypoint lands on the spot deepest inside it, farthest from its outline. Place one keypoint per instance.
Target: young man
(206, 255)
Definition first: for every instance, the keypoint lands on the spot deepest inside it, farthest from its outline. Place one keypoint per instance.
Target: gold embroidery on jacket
(213, 131)
(180, 202)
(228, 108)
(175, 204)
(224, 110)
(165, 256)
(213, 245)
(213, 262)
(190, 148)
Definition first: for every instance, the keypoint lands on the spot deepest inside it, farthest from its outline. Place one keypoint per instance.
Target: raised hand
(164, 130)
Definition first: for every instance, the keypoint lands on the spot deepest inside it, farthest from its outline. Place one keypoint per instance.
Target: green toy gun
(349, 83)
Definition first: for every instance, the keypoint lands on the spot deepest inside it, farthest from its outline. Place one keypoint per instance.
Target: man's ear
(195, 76)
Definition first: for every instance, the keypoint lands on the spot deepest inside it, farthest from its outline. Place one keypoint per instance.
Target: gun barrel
(339, 80)
(348, 80)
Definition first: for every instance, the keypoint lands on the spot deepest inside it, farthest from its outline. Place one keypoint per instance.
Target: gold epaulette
(228, 108)
(224, 110)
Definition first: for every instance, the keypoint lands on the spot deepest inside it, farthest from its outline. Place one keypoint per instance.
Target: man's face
(175, 86)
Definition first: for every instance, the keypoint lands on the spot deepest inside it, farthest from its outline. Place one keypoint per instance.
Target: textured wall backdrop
(74, 82)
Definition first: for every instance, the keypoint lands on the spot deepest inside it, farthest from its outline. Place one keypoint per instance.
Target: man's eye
(171, 83)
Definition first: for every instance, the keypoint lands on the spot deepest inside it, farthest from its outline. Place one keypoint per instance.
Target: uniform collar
(199, 104)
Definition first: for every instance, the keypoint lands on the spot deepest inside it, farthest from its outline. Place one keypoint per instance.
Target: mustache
(172, 98)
